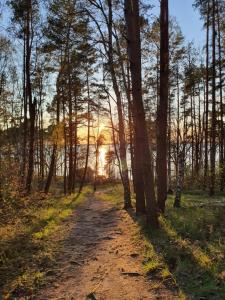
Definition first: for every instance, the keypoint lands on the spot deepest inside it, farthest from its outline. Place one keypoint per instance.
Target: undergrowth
(187, 253)
(30, 240)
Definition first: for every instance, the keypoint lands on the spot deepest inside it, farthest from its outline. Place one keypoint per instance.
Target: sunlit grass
(190, 244)
(201, 258)
(31, 241)
(187, 253)
(110, 192)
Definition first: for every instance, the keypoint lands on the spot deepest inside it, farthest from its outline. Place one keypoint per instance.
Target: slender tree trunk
(122, 147)
(192, 138)
(199, 132)
(130, 110)
(88, 135)
(96, 168)
(97, 145)
(70, 175)
(55, 146)
(196, 144)
(206, 103)
(75, 158)
(127, 87)
(114, 141)
(65, 150)
(161, 159)
(24, 150)
(169, 190)
(41, 145)
(213, 122)
(180, 177)
(31, 103)
(178, 122)
(222, 131)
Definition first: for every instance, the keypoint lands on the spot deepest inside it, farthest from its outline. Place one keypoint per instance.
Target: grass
(30, 241)
(187, 253)
(110, 192)
(188, 250)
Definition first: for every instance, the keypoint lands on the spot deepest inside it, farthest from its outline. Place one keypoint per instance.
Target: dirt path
(100, 259)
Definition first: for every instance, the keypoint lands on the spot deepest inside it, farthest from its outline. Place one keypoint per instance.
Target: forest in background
(78, 75)
(65, 70)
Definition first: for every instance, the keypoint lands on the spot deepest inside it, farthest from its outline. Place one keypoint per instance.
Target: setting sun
(101, 127)
(102, 161)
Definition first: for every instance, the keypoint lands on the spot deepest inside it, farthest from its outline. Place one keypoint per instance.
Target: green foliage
(29, 242)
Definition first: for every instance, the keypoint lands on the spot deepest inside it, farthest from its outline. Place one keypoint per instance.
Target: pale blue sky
(188, 18)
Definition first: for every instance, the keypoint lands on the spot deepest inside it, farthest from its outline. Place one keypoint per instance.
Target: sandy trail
(101, 260)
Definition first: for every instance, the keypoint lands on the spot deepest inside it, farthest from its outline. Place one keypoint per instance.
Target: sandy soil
(101, 259)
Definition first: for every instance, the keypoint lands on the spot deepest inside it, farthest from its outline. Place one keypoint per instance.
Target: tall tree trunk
(169, 190)
(24, 149)
(41, 145)
(130, 120)
(206, 103)
(178, 123)
(65, 149)
(88, 134)
(31, 103)
(192, 137)
(75, 137)
(161, 159)
(127, 87)
(143, 155)
(222, 131)
(199, 132)
(114, 140)
(213, 121)
(55, 145)
(122, 140)
(70, 175)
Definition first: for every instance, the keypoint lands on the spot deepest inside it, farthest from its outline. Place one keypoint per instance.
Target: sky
(188, 18)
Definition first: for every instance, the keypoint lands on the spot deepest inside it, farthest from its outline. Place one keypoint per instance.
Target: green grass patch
(189, 248)
(187, 253)
(30, 241)
(110, 192)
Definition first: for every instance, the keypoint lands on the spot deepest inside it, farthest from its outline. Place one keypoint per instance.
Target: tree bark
(143, 155)
(222, 133)
(161, 159)
(122, 140)
(206, 103)
(31, 103)
(213, 121)
(88, 135)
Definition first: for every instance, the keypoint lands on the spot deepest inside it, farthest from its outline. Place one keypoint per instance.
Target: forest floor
(87, 248)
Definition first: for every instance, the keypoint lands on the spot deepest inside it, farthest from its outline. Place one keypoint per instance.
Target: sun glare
(101, 127)
(102, 161)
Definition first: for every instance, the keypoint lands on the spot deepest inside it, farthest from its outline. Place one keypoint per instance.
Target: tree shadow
(182, 248)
